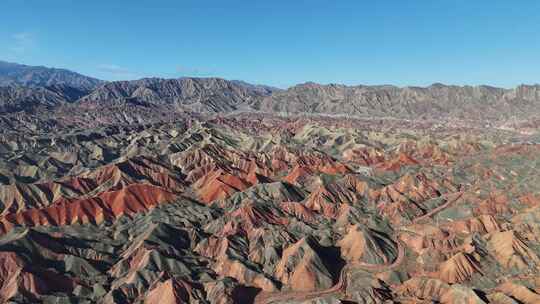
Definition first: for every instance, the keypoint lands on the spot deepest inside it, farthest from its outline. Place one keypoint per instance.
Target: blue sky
(281, 43)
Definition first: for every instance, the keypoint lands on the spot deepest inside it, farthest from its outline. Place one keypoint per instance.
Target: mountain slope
(197, 94)
(13, 74)
(435, 101)
(14, 99)
(52, 88)
(257, 208)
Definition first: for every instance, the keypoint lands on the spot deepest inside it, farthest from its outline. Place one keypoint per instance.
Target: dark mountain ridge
(13, 74)
(19, 98)
(435, 101)
(32, 87)
(197, 94)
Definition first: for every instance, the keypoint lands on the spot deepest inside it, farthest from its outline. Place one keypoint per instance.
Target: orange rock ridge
(106, 206)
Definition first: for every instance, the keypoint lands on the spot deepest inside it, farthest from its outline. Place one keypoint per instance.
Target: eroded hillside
(263, 209)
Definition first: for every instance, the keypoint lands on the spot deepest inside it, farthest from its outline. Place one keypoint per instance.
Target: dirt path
(441, 207)
(267, 298)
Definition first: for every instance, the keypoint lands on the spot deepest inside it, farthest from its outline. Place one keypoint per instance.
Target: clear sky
(280, 42)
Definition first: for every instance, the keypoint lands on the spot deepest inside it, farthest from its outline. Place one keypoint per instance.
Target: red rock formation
(458, 268)
(495, 204)
(366, 246)
(308, 165)
(298, 210)
(360, 187)
(297, 174)
(404, 198)
(302, 269)
(364, 156)
(136, 170)
(253, 216)
(510, 251)
(15, 278)
(531, 200)
(228, 267)
(433, 154)
(213, 247)
(423, 290)
(519, 292)
(428, 238)
(108, 205)
(481, 224)
(219, 185)
(396, 163)
(326, 199)
(17, 197)
(170, 291)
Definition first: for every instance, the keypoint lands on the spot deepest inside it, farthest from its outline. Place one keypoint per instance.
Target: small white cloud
(112, 68)
(22, 42)
(116, 71)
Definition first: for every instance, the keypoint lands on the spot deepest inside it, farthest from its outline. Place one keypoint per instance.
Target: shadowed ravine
(339, 288)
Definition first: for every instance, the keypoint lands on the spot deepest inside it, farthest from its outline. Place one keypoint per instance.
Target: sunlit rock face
(158, 204)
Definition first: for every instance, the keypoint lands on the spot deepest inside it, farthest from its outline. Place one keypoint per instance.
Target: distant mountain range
(13, 74)
(18, 98)
(25, 88)
(435, 101)
(197, 94)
